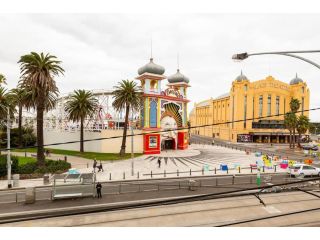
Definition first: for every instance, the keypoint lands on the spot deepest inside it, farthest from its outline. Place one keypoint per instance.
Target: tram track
(71, 211)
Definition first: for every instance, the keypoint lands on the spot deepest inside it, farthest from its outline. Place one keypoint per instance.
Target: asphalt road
(279, 209)
(264, 148)
(135, 190)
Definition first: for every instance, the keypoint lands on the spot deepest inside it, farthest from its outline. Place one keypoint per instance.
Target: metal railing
(123, 187)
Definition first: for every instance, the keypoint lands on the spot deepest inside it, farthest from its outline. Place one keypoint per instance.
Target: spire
(151, 48)
(178, 62)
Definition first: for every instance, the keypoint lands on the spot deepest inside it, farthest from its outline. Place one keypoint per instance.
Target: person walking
(159, 162)
(100, 167)
(99, 187)
(94, 165)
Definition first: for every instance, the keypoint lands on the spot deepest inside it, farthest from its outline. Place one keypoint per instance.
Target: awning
(269, 134)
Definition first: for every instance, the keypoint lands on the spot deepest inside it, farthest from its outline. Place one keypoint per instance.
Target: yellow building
(250, 101)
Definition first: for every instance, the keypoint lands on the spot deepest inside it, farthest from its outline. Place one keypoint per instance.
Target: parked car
(303, 170)
(310, 147)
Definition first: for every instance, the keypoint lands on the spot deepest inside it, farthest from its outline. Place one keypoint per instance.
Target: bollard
(110, 176)
(178, 172)
(16, 197)
(190, 172)
(202, 170)
(215, 170)
(227, 170)
(251, 169)
(151, 174)
(138, 176)
(239, 169)
(263, 168)
(233, 179)
(87, 165)
(275, 169)
(124, 175)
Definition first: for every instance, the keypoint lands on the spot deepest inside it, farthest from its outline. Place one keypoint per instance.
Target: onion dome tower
(241, 77)
(296, 80)
(151, 67)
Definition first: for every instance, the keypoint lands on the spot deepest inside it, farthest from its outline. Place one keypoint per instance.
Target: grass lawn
(24, 160)
(89, 155)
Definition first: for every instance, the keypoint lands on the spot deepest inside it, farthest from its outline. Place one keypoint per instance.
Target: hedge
(3, 165)
(32, 167)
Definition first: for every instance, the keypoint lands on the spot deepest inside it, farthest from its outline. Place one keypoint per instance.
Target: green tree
(126, 95)
(37, 75)
(303, 124)
(4, 103)
(290, 120)
(3, 79)
(80, 105)
(294, 107)
(19, 97)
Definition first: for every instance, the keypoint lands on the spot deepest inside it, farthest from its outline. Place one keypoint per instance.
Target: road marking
(271, 209)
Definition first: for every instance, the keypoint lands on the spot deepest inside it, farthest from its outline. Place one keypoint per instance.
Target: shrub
(3, 165)
(28, 168)
(32, 167)
(57, 166)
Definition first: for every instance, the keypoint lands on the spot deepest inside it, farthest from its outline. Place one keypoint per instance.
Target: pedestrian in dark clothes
(99, 187)
(159, 162)
(100, 167)
(94, 165)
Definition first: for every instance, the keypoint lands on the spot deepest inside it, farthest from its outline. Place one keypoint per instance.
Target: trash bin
(16, 178)
(224, 167)
(30, 195)
(192, 185)
(46, 179)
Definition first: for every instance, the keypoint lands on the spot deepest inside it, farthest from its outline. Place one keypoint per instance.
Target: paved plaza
(199, 159)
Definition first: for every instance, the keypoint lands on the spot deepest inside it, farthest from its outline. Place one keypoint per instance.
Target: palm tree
(81, 104)
(2, 79)
(4, 103)
(290, 123)
(37, 75)
(303, 124)
(126, 95)
(19, 98)
(294, 107)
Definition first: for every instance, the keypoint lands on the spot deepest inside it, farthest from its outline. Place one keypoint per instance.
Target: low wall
(108, 145)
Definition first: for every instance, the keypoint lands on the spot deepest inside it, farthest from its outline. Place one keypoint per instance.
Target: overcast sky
(98, 50)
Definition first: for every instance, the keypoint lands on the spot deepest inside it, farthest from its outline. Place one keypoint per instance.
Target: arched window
(154, 85)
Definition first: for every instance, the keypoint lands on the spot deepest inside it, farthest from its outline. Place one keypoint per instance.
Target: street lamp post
(245, 55)
(8, 151)
(132, 154)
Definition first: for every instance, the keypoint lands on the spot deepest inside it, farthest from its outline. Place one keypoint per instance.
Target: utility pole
(132, 154)
(8, 151)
